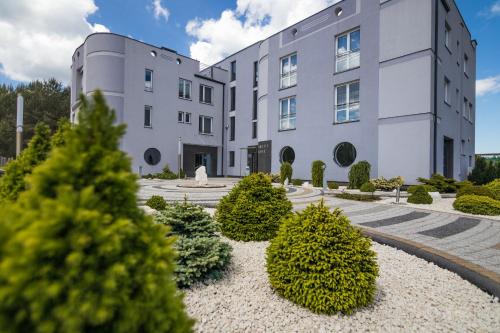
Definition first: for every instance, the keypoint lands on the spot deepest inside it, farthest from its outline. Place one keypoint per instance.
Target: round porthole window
(152, 156)
(344, 154)
(153, 53)
(338, 11)
(287, 155)
(178, 61)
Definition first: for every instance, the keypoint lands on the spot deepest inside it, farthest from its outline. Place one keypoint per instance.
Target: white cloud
(38, 37)
(489, 85)
(160, 11)
(492, 11)
(251, 21)
(495, 8)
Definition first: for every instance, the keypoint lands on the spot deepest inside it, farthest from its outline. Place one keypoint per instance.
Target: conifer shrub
(478, 205)
(317, 173)
(427, 188)
(320, 261)
(253, 209)
(475, 190)
(368, 187)
(494, 187)
(420, 196)
(286, 172)
(201, 254)
(84, 256)
(383, 184)
(333, 185)
(359, 174)
(441, 183)
(156, 202)
(297, 182)
(485, 171)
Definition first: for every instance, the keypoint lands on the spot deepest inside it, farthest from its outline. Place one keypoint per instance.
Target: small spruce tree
(79, 255)
(317, 173)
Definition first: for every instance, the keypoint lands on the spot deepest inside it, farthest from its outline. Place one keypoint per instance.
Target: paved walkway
(475, 241)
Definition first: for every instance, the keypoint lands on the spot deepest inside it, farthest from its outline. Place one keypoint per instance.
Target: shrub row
(478, 205)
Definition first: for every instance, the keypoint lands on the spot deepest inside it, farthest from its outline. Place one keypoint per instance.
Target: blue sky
(206, 30)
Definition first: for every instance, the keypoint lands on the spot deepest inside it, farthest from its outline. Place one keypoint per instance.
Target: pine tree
(77, 254)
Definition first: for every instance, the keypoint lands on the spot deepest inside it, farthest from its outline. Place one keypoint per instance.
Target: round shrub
(333, 185)
(478, 205)
(368, 187)
(420, 196)
(253, 210)
(156, 202)
(427, 188)
(320, 261)
(383, 184)
(317, 172)
(475, 190)
(286, 172)
(494, 187)
(359, 174)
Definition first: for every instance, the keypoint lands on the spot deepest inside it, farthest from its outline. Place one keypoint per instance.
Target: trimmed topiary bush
(76, 252)
(201, 254)
(333, 185)
(383, 184)
(297, 182)
(420, 196)
(359, 174)
(478, 205)
(156, 202)
(475, 190)
(427, 188)
(320, 261)
(253, 210)
(494, 188)
(317, 172)
(286, 172)
(367, 187)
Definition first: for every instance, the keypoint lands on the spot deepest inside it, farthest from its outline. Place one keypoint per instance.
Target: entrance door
(252, 159)
(448, 158)
(203, 159)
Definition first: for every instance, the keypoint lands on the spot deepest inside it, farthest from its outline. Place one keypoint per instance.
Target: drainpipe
(223, 125)
(436, 45)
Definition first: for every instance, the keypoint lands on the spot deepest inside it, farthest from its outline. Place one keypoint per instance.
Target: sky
(38, 37)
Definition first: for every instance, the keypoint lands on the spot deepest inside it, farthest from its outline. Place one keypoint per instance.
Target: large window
(233, 98)
(288, 112)
(205, 94)
(288, 71)
(232, 129)
(348, 51)
(233, 70)
(148, 80)
(255, 73)
(344, 154)
(205, 125)
(184, 89)
(147, 116)
(347, 102)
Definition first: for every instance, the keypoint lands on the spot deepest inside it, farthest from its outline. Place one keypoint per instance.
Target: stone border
(482, 278)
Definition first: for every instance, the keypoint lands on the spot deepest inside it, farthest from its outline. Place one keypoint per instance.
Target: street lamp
(19, 123)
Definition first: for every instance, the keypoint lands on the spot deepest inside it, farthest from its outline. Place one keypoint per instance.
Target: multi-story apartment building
(387, 81)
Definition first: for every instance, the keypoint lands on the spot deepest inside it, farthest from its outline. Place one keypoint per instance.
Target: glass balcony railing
(347, 61)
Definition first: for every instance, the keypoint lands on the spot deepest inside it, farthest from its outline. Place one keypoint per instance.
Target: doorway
(252, 159)
(448, 157)
(203, 159)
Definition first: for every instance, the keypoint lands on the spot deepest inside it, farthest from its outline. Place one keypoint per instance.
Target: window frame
(447, 91)
(184, 89)
(231, 159)
(254, 129)
(464, 107)
(466, 65)
(146, 87)
(203, 95)
(232, 97)
(339, 56)
(233, 71)
(348, 104)
(288, 115)
(255, 74)
(232, 128)
(186, 115)
(447, 35)
(201, 125)
(181, 114)
(290, 73)
(149, 108)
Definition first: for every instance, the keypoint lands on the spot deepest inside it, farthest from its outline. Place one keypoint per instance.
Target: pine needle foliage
(320, 261)
(286, 172)
(359, 174)
(420, 196)
(253, 210)
(79, 255)
(317, 173)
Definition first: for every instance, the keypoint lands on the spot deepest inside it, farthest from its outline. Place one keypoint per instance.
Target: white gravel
(412, 296)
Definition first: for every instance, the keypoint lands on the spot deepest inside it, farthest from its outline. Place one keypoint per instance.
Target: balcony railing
(347, 61)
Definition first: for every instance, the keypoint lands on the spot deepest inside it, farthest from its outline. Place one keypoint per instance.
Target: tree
(77, 254)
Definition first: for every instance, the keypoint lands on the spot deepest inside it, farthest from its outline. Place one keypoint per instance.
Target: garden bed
(412, 295)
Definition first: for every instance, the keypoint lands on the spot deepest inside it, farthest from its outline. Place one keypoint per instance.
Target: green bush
(201, 254)
(357, 197)
(383, 184)
(317, 172)
(165, 174)
(333, 185)
(441, 183)
(286, 172)
(478, 205)
(320, 261)
(182, 174)
(420, 196)
(494, 188)
(253, 210)
(156, 202)
(427, 188)
(475, 190)
(359, 174)
(297, 182)
(485, 171)
(368, 187)
(76, 252)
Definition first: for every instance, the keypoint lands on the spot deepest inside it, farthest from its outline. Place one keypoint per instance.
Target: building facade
(389, 81)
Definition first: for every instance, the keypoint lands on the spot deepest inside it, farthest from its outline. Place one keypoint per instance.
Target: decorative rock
(307, 185)
(286, 182)
(201, 176)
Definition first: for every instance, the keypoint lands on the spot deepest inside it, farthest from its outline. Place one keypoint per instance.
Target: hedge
(475, 190)
(317, 173)
(359, 174)
(478, 205)
(286, 172)
(494, 187)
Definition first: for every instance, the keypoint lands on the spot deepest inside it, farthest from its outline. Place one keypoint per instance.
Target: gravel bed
(412, 296)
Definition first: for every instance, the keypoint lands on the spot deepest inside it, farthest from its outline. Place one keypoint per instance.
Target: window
(466, 65)
(147, 116)
(184, 89)
(288, 71)
(465, 106)
(254, 130)
(287, 154)
(148, 80)
(205, 125)
(348, 51)
(254, 108)
(255, 73)
(152, 156)
(447, 35)
(344, 154)
(288, 111)
(180, 117)
(470, 161)
(232, 129)
(233, 98)
(187, 118)
(205, 94)
(231, 158)
(347, 102)
(447, 90)
(233, 70)
(469, 112)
